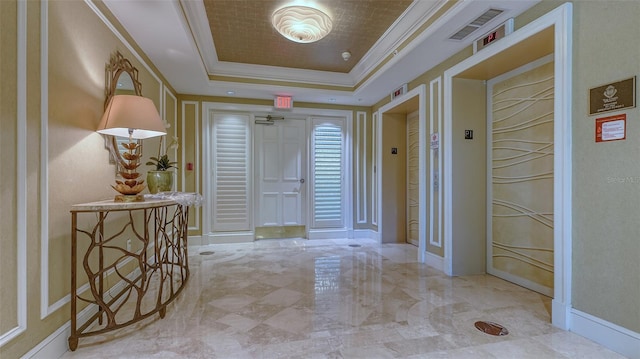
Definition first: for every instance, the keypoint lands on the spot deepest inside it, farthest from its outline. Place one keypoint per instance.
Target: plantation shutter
(328, 173)
(231, 172)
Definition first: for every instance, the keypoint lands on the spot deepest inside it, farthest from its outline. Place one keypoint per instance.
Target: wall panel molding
(435, 164)
(374, 163)
(196, 170)
(173, 129)
(361, 167)
(21, 175)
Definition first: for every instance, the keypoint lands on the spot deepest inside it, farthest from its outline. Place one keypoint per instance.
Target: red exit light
(283, 102)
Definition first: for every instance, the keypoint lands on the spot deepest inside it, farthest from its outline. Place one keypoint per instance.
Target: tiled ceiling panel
(242, 32)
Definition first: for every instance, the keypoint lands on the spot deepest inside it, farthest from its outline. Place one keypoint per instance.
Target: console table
(137, 252)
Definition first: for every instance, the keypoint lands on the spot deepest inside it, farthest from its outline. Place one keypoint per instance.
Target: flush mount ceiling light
(303, 24)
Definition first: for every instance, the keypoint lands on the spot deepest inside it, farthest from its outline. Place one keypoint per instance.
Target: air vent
(476, 24)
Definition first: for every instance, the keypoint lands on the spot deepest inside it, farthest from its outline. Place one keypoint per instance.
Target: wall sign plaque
(612, 128)
(614, 96)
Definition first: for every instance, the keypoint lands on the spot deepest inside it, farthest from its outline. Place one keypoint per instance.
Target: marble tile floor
(296, 298)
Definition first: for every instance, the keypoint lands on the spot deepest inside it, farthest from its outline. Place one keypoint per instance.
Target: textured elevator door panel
(521, 179)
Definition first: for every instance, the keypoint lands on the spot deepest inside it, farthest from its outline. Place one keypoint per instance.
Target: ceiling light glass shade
(135, 113)
(302, 24)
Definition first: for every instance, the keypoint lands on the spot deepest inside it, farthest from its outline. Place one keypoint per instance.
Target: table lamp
(135, 117)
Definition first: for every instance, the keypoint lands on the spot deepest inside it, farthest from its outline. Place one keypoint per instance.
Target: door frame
(421, 93)
(257, 198)
(560, 20)
(208, 233)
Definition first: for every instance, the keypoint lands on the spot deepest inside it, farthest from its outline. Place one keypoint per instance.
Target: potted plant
(161, 180)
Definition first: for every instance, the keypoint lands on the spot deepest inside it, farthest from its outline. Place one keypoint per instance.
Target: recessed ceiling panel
(242, 33)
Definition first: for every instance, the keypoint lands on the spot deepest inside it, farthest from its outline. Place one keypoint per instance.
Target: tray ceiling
(229, 48)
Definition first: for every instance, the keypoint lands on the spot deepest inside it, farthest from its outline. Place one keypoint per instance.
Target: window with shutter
(231, 173)
(328, 173)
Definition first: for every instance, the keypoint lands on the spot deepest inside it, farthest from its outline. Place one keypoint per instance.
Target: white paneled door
(281, 162)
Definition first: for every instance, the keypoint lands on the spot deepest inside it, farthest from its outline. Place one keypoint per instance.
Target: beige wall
(393, 181)
(469, 177)
(606, 176)
(77, 163)
(8, 181)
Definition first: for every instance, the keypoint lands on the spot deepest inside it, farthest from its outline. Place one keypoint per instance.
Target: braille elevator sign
(614, 96)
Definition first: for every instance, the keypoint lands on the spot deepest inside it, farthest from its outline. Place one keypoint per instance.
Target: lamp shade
(129, 113)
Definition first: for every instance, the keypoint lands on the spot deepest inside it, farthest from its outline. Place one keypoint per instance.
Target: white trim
(612, 336)
(361, 167)
(365, 234)
(21, 177)
(329, 233)
(196, 164)
(44, 160)
(374, 164)
(421, 92)
(53, 346)
(194, 242)
(563, 163)
(174, 125)
(560, 20)
(228, 237)
(56, 344)
(435, 95)
(434, 261)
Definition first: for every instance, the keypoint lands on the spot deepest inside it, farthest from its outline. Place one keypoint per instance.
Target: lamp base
(129, 198)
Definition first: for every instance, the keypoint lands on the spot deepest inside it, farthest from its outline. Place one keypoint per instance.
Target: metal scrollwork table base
(134, 261)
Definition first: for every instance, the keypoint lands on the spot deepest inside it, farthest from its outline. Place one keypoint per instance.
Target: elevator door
(413, 184)
(520, 177)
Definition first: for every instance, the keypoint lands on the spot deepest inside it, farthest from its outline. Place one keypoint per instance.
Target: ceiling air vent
(476, 24)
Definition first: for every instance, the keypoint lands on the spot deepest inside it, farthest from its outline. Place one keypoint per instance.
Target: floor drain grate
(354, 245)
(491, 328)
(207, 253)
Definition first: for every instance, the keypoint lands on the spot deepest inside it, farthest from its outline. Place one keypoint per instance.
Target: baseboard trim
(328, 233)
(560, 315)
(53, 346)
(612, 336)
(434, 260)
(56, 344)
(228, 238)
(194, 241)
(364, 234)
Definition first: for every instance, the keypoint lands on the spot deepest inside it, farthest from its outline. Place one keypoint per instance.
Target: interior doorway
(548, 35)
(401, 168)
(280, 152)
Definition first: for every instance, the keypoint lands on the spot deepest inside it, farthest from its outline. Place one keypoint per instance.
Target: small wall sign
(283, 102)
(435, 140)
(612, 128)
(614, 96)
(399, 91)
(494, 35)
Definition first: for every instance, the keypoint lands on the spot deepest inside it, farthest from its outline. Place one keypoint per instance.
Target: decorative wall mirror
(121, 78)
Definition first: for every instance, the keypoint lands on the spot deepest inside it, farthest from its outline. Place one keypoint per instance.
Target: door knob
(301, 180)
